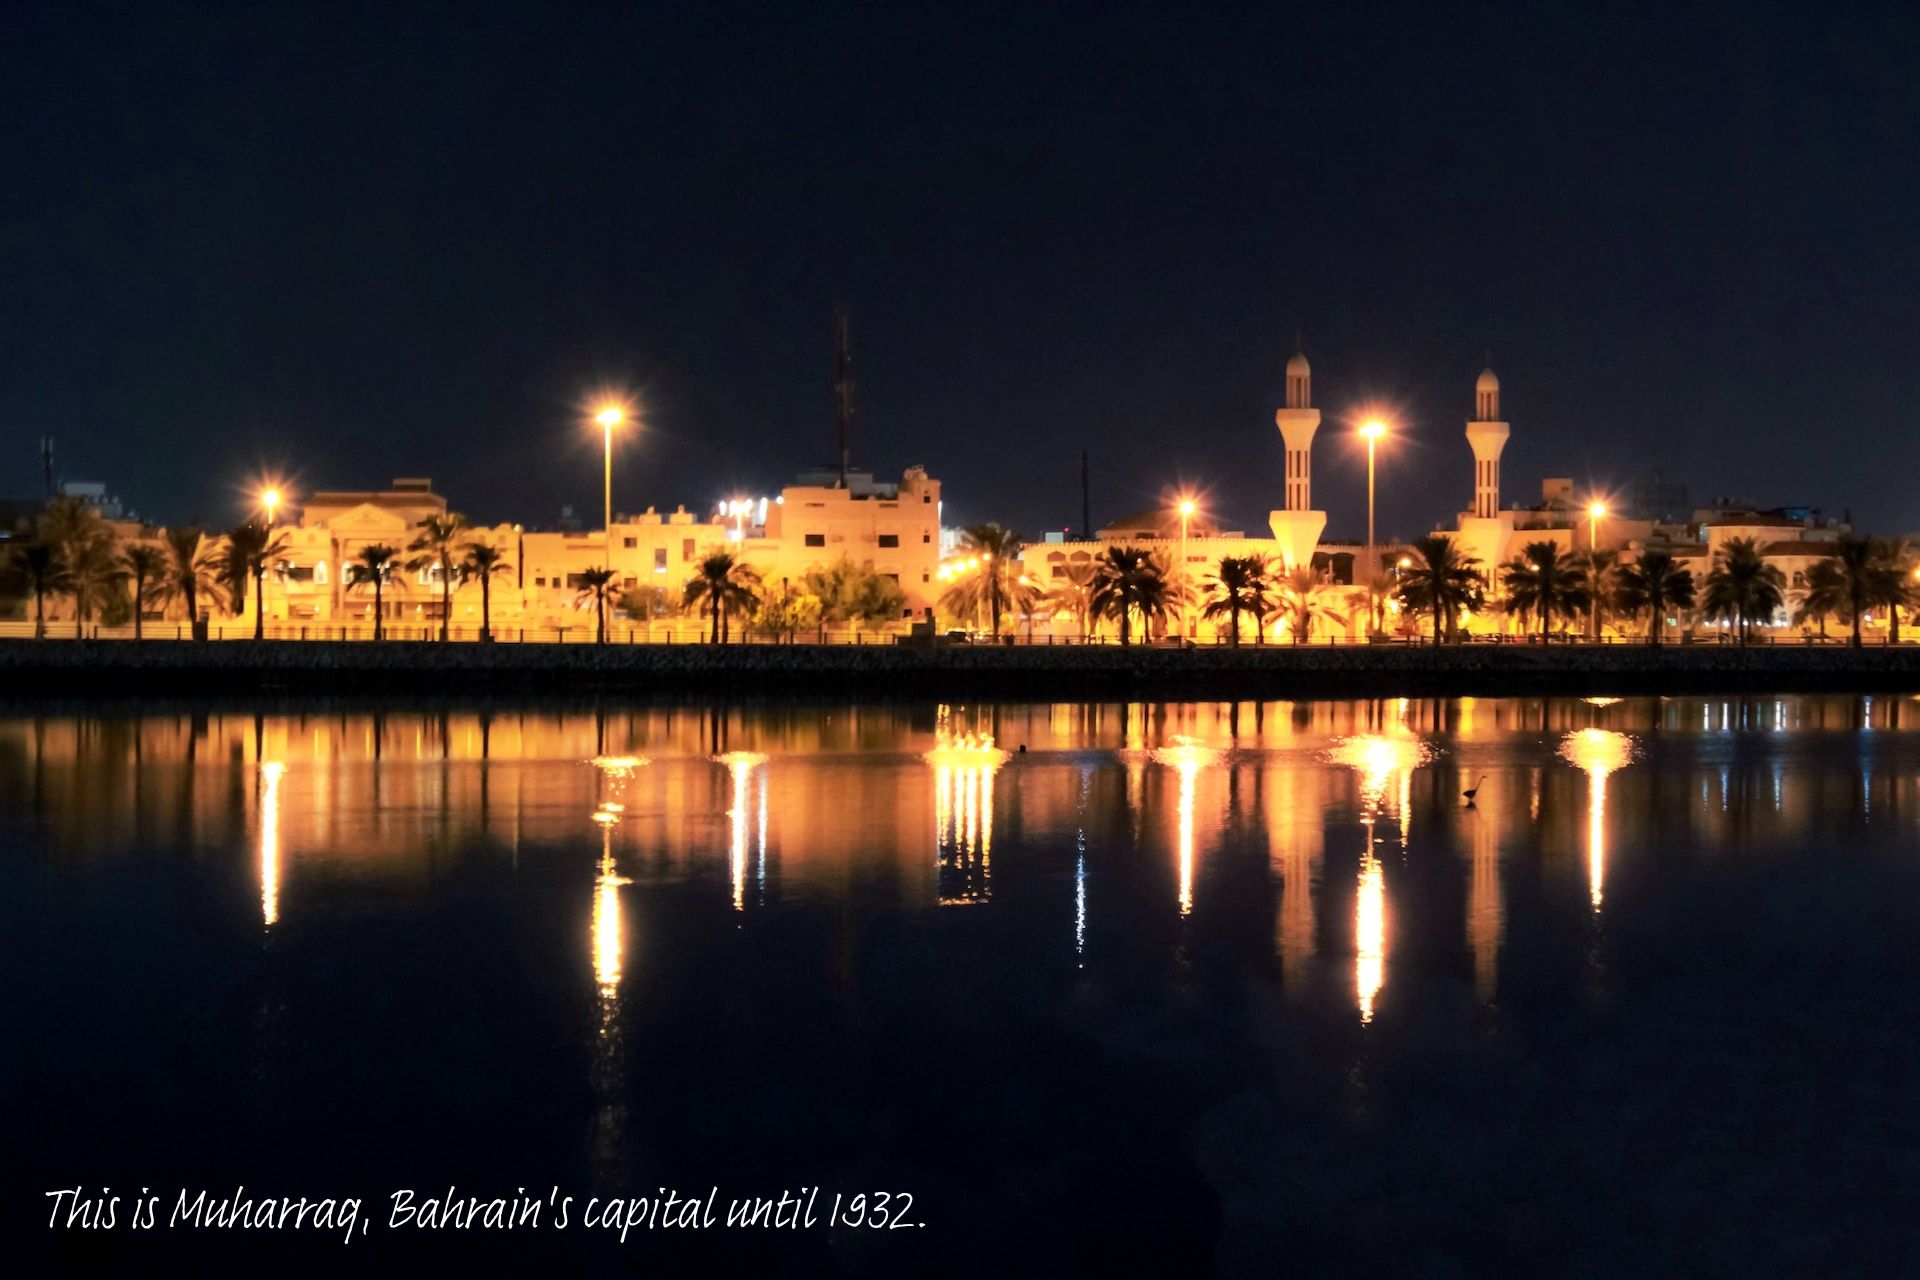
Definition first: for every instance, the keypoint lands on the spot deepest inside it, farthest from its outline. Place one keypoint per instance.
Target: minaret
(1485, 530)
(1488, 436)
(1297, 528)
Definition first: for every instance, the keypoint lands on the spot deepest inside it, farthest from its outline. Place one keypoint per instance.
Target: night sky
(357, 242)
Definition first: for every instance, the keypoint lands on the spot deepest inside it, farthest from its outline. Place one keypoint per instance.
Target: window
(816, 539)
(539, 582)
(894, 576)
(659, 559)
(686, 550)
(926, 497)
(578, 581)
(294, 573)
(925, 536)
(889, 539)
(926, 577)
(629, 583)
(629, 542)
(1059, 571)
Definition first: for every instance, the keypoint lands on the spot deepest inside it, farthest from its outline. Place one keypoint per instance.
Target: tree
(1303, 593)
(1238, 585)
(1893, 558)
(1441, 581)
(831, 590)
(483, 563)
(146, 564)
(1859, 575)
(1072, 593)
(1381, 587)
(1742, 587)
(646, 602)
(189, 572)
(38, 568)
(84, 544)
(250, 549)
(993, 557)
(597, 585)
(439, 545)
(877, 600)
(373, 567)
(1129, 580)
(1826, 595)
(722, 587)
(1655, 583)
(1600, 570)
(1542, 583)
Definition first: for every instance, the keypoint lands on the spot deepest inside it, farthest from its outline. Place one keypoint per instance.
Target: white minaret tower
(1488, 436)
(1484, 530)
(1297, 528)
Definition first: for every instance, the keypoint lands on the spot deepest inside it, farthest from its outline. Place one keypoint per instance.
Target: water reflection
(1599, 752)
(1187, 759)
(963, 816)
(744, 816)
(1386, 764)
(270, 773)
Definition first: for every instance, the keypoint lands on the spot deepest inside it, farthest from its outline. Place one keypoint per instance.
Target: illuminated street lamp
(1595, 512)
(1187, 509)
(271, 501)
(609, 417)
(1372, 431)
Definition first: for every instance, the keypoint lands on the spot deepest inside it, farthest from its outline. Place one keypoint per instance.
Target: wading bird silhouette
(1473, 790)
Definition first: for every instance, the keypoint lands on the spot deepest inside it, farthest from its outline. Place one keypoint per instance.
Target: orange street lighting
(609, 417)
(271, 501)
(1595, 512)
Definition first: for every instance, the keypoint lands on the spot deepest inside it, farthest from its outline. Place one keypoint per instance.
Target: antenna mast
(843, 383)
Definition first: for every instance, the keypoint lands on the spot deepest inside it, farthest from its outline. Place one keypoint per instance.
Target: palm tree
(1380, 589)
(439, 544)
(985, 588)
(1072, 593)
(1541, 582)
(831, 589)
(1302, 600)
(1655, 583)
(1826, 595)
(483, 563)
(146, 564)
(1129, 580)
(722, 587)
(596, 585)
(37, 566)
(251, 548)
(1893, 562)
(1441, 580)
(1238, 585)
(1742, 587)
(375, 567)
(84, 543)
(1601, 570)
(1858, 571)
(189, 574)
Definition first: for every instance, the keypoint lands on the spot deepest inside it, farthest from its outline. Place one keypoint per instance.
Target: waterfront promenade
(112, 668)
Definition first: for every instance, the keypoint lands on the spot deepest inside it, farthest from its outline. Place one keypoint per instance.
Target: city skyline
(1682, 242)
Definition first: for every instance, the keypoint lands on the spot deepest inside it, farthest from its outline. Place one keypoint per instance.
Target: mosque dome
(1297, 367)
(1486, 381)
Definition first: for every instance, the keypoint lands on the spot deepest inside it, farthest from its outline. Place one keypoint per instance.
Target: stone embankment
(68, 669)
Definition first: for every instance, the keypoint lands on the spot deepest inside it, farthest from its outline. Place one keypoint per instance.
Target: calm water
(1176, 988)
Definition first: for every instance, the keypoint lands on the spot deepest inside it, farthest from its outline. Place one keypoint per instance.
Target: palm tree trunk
(599, 618)
(486, 608)
(260, 602)
(39, 613)
(379, 610)
(139, 594)
(1234, 610)
(446, 599)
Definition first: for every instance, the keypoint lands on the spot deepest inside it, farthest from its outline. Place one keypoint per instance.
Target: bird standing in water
(1473, 790)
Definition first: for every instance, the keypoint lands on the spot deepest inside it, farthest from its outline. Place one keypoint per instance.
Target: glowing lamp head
(1597, 510)
(1373, 431)
(1187, 506)
(611, 416)
(270, 500)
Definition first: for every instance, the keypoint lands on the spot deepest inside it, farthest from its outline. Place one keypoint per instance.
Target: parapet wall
(69, 669)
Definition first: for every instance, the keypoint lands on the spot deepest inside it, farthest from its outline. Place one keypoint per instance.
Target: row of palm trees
(1542, 586)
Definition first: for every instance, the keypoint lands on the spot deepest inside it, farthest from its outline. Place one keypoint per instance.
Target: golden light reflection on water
(963, 769)
(1369, 934)
(1599, 752)
(742, 813)
(1187, 759)
(270, 774)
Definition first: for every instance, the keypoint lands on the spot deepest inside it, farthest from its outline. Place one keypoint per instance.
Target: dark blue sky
(366, 241)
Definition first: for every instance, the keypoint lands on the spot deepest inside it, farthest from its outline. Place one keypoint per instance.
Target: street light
(1187, 509)
(1594, 512)
(271, 501)
(609, 417)
(1372, 431)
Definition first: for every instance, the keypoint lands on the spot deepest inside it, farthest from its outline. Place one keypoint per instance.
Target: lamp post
(1372, 431)
(609, 417)
(1186, 514)
(1594, 513)
(270, 500)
